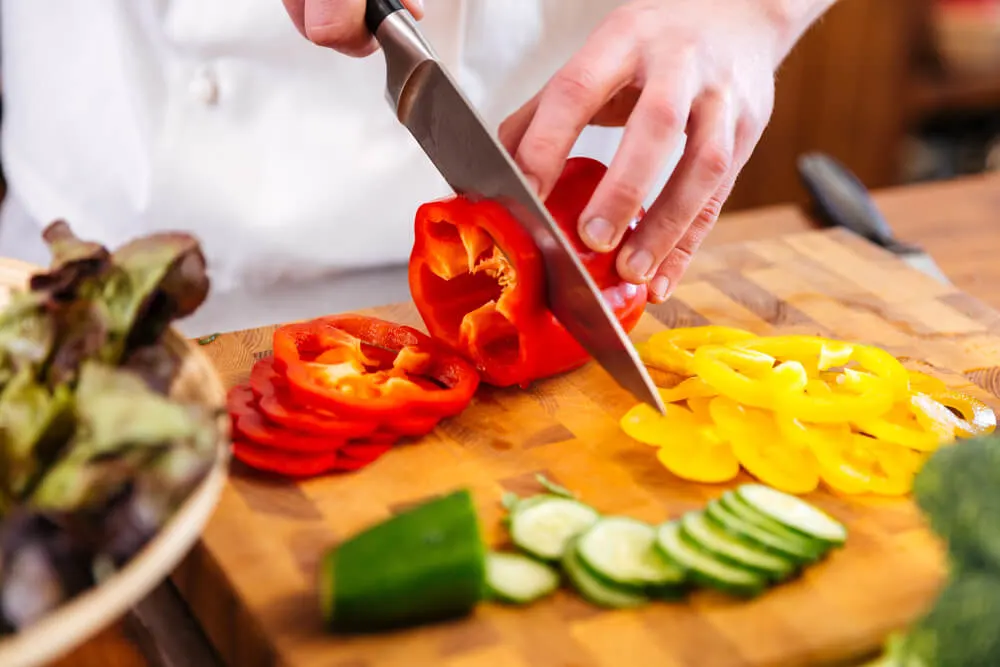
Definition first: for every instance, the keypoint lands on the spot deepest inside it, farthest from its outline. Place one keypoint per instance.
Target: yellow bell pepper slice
(643, 423)
(926, 384)
(977, 418)
(699, 455)
(760, 448)
(665, 357)
(670, 350)
(689, 338)
(892, 467)
(699, 406)
(746, 376)
(813, 352)
(902, 426)
(693, 387)
(689, 448)
(827, 443)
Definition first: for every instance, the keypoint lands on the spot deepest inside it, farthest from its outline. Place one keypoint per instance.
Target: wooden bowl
(92, 611)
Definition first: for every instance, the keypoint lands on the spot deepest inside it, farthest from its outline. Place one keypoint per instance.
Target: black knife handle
(377, 11)
(840, 199)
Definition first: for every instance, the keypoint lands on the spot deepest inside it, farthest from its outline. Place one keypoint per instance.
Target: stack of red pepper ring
(340, 391)
(478, 281)
(796, 410)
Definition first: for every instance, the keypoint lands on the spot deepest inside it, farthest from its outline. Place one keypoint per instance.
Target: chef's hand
(340, 24)
(662, 68)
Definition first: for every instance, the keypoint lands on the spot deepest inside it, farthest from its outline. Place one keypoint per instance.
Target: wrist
(789, 20)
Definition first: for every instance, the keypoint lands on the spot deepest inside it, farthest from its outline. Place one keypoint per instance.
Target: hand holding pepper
(660, 68)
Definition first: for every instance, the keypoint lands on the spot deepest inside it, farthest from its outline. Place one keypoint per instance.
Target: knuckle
(574, 84)
(715, 160)
(626, 192)
(624, 19)
(709, 214)
(537, 150)
(664, 115)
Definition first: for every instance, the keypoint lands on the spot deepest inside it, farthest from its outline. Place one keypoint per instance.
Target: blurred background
(901, 91)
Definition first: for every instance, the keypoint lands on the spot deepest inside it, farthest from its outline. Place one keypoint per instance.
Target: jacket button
(204, 87)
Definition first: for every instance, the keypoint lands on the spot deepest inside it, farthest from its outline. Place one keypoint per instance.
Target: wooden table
(957, 222)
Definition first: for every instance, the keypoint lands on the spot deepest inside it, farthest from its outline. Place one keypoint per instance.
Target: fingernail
(599, 232)
(417, 5)
(659, 286)
(641, 262)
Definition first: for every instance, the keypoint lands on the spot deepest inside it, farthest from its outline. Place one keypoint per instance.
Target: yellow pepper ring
(720, 367)
(977, 417)
(666, 356)
(926, 384)
(689, 338)
(670, 350)
(835, 353)
(693, 387)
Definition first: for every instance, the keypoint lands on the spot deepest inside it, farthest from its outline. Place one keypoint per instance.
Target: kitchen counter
(957, 222)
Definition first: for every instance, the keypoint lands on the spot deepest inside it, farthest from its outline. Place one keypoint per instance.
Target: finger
(512, 129)
(699, 173)
(672, 269)
(570, 99)
(297, 12)
(652, 133)
(340, 24)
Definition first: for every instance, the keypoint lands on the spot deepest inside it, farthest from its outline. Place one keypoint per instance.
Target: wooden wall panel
(841, 90)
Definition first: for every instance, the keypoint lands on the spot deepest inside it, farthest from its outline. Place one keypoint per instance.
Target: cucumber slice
(593, 589)
(518, 579)
(544, 527)
(793, 513)
(364, 585)
(740, 509)
(703, 568)
(754, 535)
(515, 505)
(622, 550)
(702, 534)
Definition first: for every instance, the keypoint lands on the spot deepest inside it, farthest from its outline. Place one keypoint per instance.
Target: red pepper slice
(288, 464)
(478, 281)
(361, 454)
(278, 405)
(371, 369)
(251, 425)
(275, 401)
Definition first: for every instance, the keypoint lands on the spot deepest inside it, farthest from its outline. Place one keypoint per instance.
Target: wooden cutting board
(251, 579)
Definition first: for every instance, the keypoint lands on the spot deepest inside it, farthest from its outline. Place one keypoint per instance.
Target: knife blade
(428, 101)
(840, 199)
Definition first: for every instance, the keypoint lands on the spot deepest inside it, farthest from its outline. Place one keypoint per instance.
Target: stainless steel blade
(924, 263)
(430, 104)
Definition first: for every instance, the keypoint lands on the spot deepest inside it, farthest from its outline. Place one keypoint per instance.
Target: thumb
(339, 24)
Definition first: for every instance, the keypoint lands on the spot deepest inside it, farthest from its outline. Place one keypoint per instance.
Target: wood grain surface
(251, 579)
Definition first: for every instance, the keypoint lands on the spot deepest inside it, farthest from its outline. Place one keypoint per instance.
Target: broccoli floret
(958, 492)
(961, 629)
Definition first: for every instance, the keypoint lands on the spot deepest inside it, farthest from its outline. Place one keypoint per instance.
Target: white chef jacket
(216, 117)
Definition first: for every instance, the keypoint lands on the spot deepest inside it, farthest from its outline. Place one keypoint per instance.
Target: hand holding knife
(430, 104)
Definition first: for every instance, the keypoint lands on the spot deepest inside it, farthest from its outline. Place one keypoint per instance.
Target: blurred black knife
(840, 200)
(430, 104)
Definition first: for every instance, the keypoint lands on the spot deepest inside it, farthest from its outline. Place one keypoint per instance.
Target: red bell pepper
(365, 368)
(478, 280)
(264, 445)
(274, 400)
(279, 406)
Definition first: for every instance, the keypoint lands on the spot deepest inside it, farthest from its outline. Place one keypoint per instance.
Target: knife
(840, 199)
(427, 100)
